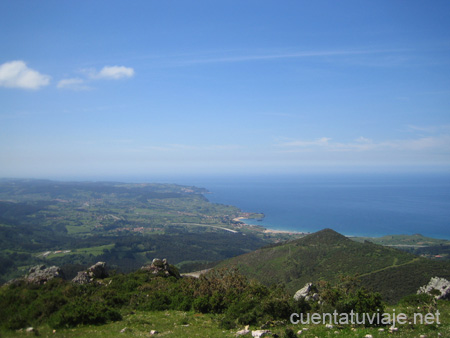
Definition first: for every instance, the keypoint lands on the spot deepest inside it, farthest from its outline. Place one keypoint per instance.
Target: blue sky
(111, 88)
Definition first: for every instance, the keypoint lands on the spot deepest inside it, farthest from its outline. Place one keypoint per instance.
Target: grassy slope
(326, 254)
(177, 324)
(404, 240)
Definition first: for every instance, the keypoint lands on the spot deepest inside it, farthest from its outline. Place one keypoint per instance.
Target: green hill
(127, 225)
(325, 255)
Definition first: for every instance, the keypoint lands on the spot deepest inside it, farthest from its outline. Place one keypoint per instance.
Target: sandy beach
(271, 231)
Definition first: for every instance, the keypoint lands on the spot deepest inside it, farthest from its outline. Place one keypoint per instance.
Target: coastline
(242, 219)
(357, 206)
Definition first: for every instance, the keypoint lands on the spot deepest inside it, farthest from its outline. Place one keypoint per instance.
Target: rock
(329, 326)
(381, 330)
(161, 267)
(159, 263)
(368, 336)
(32, 330)
(441, 285)
(152, 332)
(242, 332)
(308, 292)
(260, 333)
(125, 329)
(299, 332)
(82, 278)
(98, 270)
(40, 274)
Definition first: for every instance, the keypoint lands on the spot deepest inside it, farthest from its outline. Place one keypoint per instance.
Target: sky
(123, 88)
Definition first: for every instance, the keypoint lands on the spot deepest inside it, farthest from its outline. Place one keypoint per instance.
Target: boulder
(260, 333)
(98, 270)
(158, 262)
(82, 278)
(242, 332)
(162, 268)
(308, 293)
(441, 287)
(40, 274)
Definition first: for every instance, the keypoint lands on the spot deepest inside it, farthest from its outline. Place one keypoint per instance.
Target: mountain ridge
(326, 254)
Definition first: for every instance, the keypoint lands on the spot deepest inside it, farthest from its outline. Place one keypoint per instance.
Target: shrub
(349, 296)
(82, 312)
(201, 304)
(289, 333)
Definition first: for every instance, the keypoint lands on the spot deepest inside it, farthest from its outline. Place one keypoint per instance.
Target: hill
(127, 225)
(417, 244)
(157, 300)
(325, 255)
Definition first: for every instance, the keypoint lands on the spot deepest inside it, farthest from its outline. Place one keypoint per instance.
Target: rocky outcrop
(40, 274)
(96, 271)
(261, 333)
(308, 293)
(437, 287)
(161, 267)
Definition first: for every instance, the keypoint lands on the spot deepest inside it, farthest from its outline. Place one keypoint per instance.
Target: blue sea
(353, 204)
(360, 205)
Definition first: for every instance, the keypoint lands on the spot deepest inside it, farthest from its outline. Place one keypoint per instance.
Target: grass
(168, 323)
(178, 324)
(75, 229)
(95, 251)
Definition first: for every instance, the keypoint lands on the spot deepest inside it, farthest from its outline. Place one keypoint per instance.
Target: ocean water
(360, 205)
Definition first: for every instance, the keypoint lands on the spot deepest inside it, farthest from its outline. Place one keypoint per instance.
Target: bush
(201, 304)
(227, 323)
(349, 296)
(422, 303)
(289, 333)
(277, 308)
(416, 300)
(82, 312)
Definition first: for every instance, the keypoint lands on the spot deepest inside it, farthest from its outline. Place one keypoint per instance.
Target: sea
(370, 205)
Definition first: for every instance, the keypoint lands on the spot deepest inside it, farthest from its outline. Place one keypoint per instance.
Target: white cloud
(298, 54)
(16, 74)
(73, 84)
(324, 141)
(111, 73)
(363, 139)
(429, 129)
(440, 143)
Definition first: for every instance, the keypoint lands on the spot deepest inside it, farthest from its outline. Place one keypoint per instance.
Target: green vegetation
(417, 244)
(215, 305)
(73, 225)
(62, 304)
(127, 225)
(326, 254)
